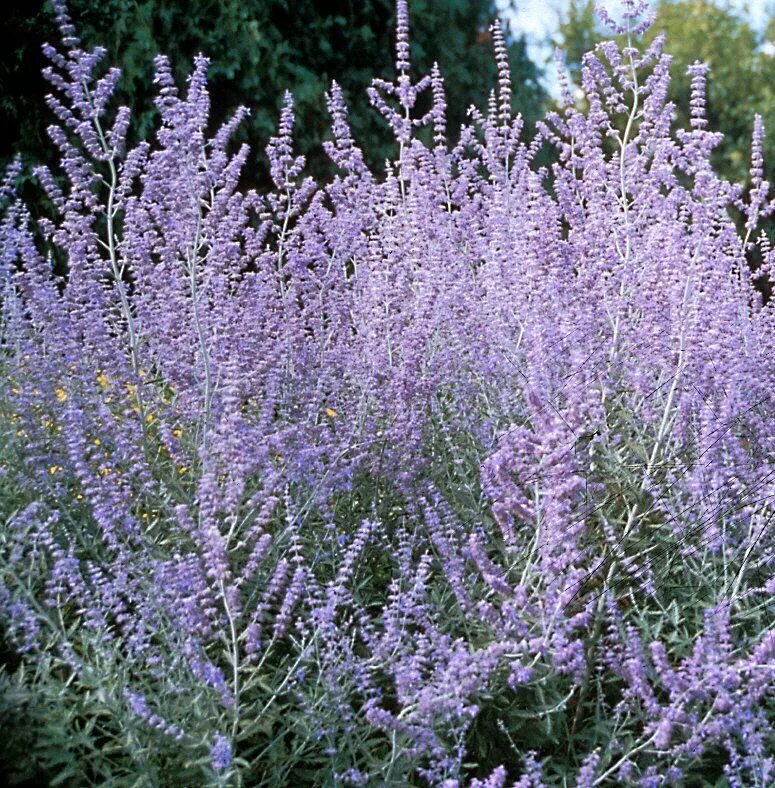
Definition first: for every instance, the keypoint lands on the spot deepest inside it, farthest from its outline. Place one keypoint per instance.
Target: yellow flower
(105, 471)
(177, 432)
(102, 379)
(54, 469)
(149, 419)
(97, 442)
(78, 497)
(330, 412)
(182, 469)
(61, 395)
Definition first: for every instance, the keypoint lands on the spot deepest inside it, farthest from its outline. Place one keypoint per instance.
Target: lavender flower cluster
(459, 475)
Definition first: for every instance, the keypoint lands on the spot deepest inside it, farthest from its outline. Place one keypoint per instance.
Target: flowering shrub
(462, 475)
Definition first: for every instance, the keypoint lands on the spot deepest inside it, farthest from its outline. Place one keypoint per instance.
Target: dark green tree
(258, 49)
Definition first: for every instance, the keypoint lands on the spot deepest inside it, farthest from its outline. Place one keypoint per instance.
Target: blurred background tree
(258, 49)
(741, 81)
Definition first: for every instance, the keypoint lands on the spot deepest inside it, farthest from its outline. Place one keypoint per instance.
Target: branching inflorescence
(460, 475)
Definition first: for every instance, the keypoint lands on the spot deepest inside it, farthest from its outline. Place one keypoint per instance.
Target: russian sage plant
(456, 474)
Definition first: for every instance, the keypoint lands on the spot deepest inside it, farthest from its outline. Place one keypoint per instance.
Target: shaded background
(258, 49)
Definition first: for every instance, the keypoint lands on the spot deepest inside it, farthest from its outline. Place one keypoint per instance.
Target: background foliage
(259, 49)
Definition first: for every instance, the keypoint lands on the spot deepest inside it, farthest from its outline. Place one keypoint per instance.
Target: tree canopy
(258, 49)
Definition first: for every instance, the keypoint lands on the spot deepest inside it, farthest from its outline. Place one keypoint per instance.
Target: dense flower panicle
(402, 36)
(504, 75)
(347, 464)
(221, 752)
